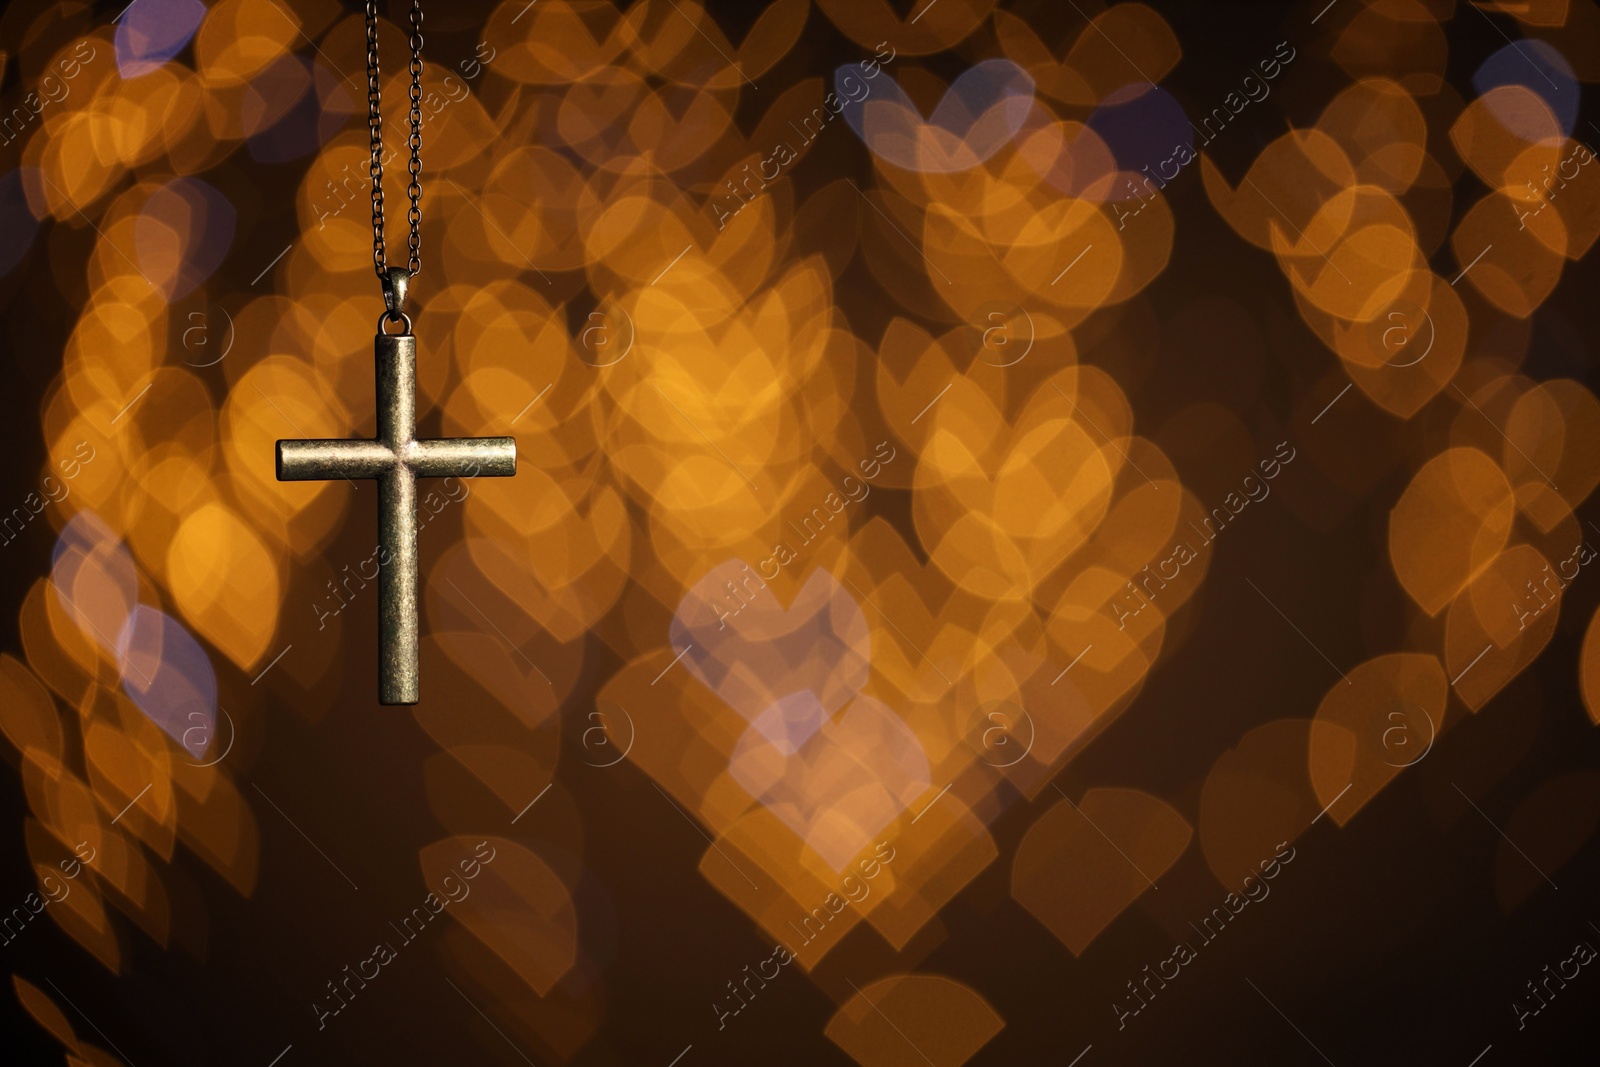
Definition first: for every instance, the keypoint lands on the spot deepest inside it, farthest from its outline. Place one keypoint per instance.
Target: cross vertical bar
(396, 366)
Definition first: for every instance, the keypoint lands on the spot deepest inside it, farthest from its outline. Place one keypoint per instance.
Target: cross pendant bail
(396, 459)
(396, 287)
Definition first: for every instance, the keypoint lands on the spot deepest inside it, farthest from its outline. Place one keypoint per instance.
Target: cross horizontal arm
(464, 457)
(314, 460)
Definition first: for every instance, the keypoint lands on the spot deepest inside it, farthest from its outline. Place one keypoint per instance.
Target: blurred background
(1043, 533)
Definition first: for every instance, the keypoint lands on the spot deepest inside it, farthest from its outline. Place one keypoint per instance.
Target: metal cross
(396, 459)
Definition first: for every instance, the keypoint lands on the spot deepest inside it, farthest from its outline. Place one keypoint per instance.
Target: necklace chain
(375, 129)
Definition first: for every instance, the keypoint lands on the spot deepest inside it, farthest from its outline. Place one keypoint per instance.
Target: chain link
(414, 141)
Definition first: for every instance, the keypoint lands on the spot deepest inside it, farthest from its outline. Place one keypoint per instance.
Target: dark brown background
(1383, 941)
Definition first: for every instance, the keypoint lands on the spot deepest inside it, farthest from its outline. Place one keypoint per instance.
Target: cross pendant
(396, 459)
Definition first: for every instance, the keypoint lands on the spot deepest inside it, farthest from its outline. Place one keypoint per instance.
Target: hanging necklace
(395, 458)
